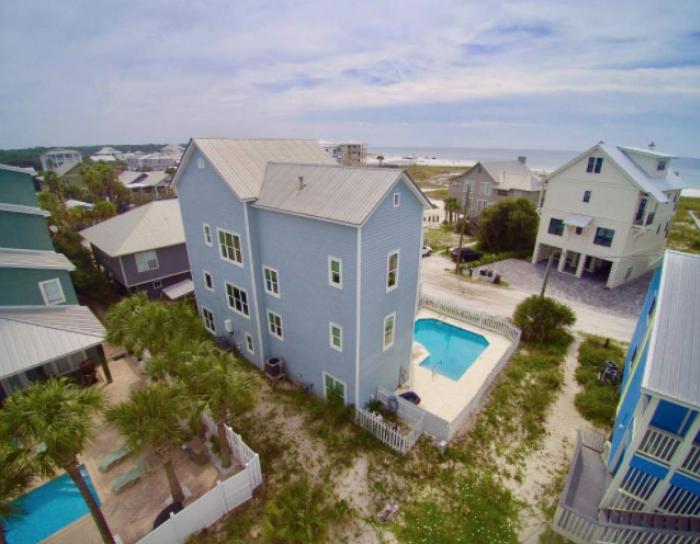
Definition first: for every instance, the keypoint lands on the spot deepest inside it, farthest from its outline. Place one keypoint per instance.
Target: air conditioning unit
(228, 325)
(274, 368)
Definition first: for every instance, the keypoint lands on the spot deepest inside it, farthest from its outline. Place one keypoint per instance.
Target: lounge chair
(113, 458)
(121, 483)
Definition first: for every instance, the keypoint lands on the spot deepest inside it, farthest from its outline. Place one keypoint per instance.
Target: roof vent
(522, 159)
(301, 183)
(601, 142)
(652, 146)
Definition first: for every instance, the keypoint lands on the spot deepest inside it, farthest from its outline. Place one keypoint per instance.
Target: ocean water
(537, 159)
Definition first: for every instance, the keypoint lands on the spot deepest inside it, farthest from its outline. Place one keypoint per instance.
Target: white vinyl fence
(224, 497)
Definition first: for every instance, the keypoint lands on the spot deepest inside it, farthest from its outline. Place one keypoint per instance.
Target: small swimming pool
(48, 508)
(452, 350)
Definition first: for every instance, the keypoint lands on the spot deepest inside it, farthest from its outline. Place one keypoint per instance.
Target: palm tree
(52, 422)
(223, 386)
(150, 420)
(17, 473)
(451, 207)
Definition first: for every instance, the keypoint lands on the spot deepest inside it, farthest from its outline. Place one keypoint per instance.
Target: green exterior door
(334, 388)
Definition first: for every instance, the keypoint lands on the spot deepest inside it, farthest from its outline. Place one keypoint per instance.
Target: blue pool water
(452, 350)
(48, 508)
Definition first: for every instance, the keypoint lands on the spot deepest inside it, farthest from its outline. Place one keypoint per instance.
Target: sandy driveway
(502, 301)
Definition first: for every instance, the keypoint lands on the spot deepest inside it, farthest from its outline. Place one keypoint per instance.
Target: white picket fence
(224, 497)
(385, 432)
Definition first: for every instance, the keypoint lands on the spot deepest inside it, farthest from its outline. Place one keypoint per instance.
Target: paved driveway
(625, 300)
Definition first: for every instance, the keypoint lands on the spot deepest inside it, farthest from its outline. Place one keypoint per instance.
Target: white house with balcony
(607, 213)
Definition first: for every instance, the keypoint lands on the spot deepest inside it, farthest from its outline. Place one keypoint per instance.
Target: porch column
(581, 262)
(104, 364)
(536, 254)
(562, 261)
(675, 463)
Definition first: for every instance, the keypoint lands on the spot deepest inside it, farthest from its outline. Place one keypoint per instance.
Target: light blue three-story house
(296, 257)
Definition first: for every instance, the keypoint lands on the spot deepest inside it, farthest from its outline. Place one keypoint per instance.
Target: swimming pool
(452, 350)
(48, 508)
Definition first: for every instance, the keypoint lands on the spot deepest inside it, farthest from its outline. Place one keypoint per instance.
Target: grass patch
(443, 238)
(597, 402)
(495, 257)
(425, 172)
(684, 235)
(438, 194)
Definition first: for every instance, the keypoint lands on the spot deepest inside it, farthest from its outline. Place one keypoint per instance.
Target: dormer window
(594, 165)
(661, 165)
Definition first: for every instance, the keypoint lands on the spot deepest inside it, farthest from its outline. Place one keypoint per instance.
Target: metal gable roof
(31, 337)
(512, 175)
(11, 258)
(151, 226)
(332, 193)
(673, 366)
(241, 163)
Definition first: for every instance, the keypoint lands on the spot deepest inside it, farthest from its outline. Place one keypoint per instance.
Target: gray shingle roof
(330, 192)
(242, 163)
(49, 260)
(673, 365)
(512, 175)
(153, 225)
(31, 337)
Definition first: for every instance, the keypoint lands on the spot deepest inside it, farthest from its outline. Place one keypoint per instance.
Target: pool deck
(441, 395)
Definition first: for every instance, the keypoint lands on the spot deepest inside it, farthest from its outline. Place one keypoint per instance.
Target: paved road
(502, 301)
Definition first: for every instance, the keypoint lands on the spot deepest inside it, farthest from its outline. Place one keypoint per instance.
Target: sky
(522, 74)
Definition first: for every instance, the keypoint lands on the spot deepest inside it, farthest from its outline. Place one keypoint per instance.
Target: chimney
(301, 183)
(652, 146)
(522, 159)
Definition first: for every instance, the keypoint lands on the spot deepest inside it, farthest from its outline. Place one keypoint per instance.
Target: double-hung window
(661, 165)
(485, 189)
(335, 336)
(272, 281)
(392, 271)
(586, 196)
(208, 320)
(146, 261)
(207, 234)
(604, 237)
(595, 164)
(556, 226)
(274, 322)
(249, 343)
(237, 299)
(230, 247)
(389, 325)
(52, 292)
(335, 272)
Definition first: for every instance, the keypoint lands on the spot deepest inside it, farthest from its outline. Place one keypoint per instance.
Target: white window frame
(249, 343)
(276, 283)
(397, 200)
(206, 228)
(485, 188)
(200, 163)
(274, 334)
(232, 295)
(211, 277)
(213, 321)
(331, 326)
(393, 331)
(157, 284)
(330, 272)
(57, 281)
(396, 252)
(323, 384)
(141, 254)
(240, 247)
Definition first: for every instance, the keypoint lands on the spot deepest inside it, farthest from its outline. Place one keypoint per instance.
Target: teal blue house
(643, 484)
(43, 330)
(296, 258)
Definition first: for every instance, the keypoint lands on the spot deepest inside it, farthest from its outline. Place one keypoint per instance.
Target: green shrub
(508, 225)
(543, 319)
(598, 403)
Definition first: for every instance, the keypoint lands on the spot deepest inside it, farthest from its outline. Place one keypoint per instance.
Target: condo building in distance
(296, 257)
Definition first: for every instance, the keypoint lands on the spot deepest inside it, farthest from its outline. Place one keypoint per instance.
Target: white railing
(692, 461)
(496, 324)
(224, 497)
(388, 433)
(659, 444)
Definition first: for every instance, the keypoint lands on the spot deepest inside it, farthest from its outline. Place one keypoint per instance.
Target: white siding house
(607, 213)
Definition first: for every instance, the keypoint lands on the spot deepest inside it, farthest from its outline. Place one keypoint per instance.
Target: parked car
(426, 251)
(465, 254)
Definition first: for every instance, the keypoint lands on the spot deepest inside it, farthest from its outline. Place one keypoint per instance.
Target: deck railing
(659, 444)
(692, 461)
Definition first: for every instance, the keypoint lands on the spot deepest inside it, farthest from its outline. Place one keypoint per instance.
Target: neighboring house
(347, 154)
(143, 250)
(104, 158)
(296, 257)
(489, 182)
(607, 213)
(155, 182)
(435, 215)
(55, 158)
(111, 151)
(43, 330)
(644, 486)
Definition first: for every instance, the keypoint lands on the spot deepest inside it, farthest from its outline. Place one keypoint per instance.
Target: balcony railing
(660, 445)
(692, 462)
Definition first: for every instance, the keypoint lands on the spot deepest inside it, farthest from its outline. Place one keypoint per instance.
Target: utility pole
(465, 207)
(546, 272)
